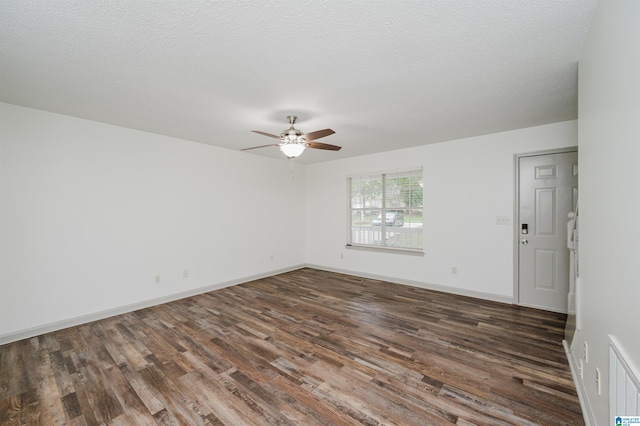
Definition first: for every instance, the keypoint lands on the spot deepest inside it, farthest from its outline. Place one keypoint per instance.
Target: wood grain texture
(303, 348)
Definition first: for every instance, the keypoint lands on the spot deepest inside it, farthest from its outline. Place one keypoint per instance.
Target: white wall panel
(609, 128)
(91, 213)
(467, 184)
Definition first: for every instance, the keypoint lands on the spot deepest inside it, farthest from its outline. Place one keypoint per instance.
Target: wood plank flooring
(303, 348)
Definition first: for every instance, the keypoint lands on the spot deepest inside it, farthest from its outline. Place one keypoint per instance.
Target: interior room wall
(91, 213)
(609, 141)
(467, 183)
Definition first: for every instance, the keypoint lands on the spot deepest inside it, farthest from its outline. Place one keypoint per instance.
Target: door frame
(516, 211)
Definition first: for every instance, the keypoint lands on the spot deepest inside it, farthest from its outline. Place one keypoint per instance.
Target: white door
(548, 191)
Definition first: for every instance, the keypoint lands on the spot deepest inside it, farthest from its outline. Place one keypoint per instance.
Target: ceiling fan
(293, 142)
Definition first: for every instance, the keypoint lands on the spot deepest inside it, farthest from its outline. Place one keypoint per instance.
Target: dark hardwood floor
(303, 348)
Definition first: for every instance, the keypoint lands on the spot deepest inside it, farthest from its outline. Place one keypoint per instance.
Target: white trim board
(84, 319)
(71, 322)
(421, 284)
(587, 413)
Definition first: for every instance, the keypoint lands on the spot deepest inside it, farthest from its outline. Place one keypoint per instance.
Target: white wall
(467, 183)
(90, 213)
(609, 141)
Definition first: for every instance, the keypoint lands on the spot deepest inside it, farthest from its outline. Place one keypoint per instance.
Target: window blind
(385, 210)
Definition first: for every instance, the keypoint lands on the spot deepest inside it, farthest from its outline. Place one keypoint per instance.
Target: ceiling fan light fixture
(293, 141)
(292, 150)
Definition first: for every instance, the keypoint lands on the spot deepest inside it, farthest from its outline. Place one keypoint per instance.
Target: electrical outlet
(503, 220)
(185, 273)
(272, 257)
(157, 279)
(341, 256)
(454, 270)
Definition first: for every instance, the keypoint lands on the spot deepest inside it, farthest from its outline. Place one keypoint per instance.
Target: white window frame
(364, 234)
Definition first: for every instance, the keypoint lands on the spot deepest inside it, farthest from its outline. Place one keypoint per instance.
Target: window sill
(386, 250)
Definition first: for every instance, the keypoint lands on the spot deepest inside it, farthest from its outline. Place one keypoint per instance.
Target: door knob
(525, 242)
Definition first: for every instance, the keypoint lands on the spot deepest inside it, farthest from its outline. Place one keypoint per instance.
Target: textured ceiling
(383, 74)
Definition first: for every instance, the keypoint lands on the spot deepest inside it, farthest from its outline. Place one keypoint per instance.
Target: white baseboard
(420, 284)
(587, 413)
(543, 308)
(72, 322)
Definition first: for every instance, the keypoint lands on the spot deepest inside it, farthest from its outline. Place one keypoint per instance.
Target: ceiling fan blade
(266, 134)
(318, 134)
(320, 145)
(261, 146)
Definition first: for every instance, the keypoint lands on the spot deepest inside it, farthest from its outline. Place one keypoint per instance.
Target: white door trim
(516, 212)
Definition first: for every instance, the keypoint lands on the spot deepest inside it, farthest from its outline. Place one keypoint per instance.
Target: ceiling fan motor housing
(292, 136)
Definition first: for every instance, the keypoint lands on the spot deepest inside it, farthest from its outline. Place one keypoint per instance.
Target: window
(385, 211)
